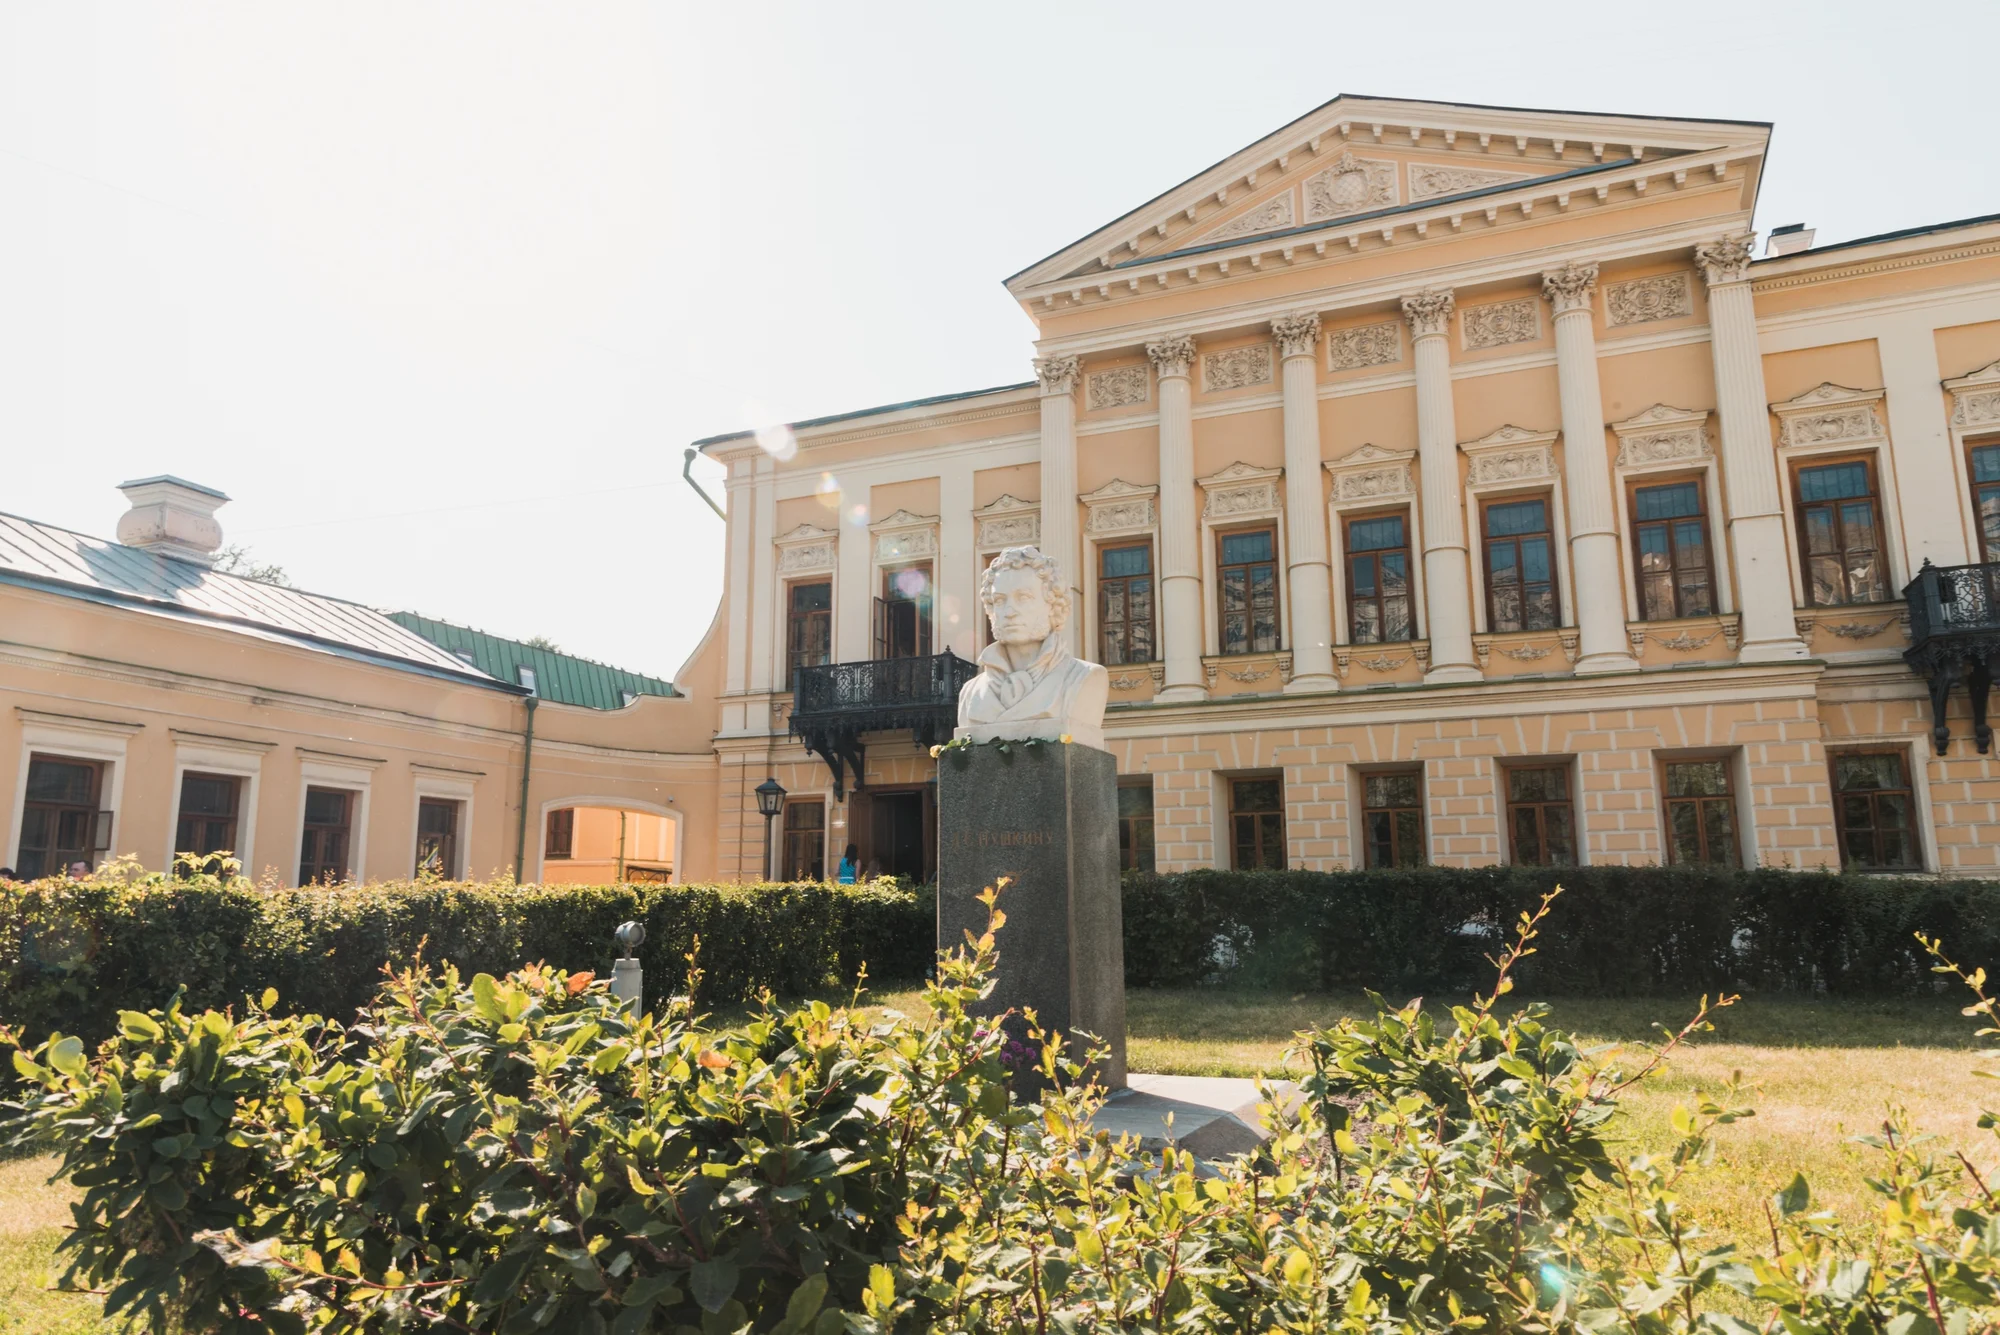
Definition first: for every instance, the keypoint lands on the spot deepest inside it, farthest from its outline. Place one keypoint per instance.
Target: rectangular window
(1257, 824)
(805, 840)
(1125, 603)
(60, 823)
(1840, 533)
(903, 613)
(437, 837)
(808, 626)
(1378, 580)
(1247, 572)
(1670, 535)
(329, 826)
(1701, 813)
(1985, 467)
(560, 839)
(1392, 819)
(1541, 820)
(1876, 809)
(1520, 567)
(208, 813)
(1135, 824)
(526, 675)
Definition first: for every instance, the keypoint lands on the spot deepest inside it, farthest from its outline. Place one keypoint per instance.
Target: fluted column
(1180, 532)
(1749, 466)
(1058, 377)
(1595, 555)
(1447, 578)
(1310, 585)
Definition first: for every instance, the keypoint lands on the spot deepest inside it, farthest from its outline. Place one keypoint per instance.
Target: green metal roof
(564, 678)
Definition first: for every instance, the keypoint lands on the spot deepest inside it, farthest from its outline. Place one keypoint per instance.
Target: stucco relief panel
(1350, 185)
(1365, 345)
(1662, 296)
(1430, 180)
(1119, 387)
(1500, 323)
(1238, 368)
(1272, 214)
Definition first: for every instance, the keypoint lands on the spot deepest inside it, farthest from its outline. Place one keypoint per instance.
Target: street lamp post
(770, 801)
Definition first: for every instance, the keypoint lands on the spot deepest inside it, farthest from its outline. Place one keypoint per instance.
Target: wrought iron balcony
(1954, 633)
(833, 704)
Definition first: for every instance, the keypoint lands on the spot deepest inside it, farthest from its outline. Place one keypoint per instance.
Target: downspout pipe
(687, 472)
(527, 763)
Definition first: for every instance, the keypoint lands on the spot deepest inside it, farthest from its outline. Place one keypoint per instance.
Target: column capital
(1058, 374)
(1429, 312)
(1726, 259)
(1570, 287)
(1173, 355)
(1297, 335)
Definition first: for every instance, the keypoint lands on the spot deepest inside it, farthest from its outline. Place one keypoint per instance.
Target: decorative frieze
(1726, 259)
(1237, 368)
(1662, 296)
(903, 536)
(1499, 323)
(1008, 522)
(1371, 475)
(1976, 397)
(806, 550)
(1511, 454)
(1296, 334)
(1120, 507)
(1569, 288)
(1350, 185)
(1364, 345)
(1118, 387)
(1057, 375)
(1171, 356)
(1241, 491)
(1429, 312)
(1829, 415)
(1662, 436)
(1430, 181)
(1272, 214)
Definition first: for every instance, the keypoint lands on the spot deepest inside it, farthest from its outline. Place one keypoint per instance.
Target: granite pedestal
(1045, 817)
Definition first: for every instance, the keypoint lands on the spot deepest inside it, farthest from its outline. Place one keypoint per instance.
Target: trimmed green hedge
(1616, 930)
(72, 955)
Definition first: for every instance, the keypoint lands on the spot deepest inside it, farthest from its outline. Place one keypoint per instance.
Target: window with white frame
(1839, 497)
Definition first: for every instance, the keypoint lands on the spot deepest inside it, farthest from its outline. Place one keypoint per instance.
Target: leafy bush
(76, 953)
(520, 1154)
(1622, 930)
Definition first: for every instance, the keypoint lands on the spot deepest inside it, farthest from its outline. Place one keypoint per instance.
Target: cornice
(1501, 207)
(1518, 267)
(901, 422)
(1909, 253)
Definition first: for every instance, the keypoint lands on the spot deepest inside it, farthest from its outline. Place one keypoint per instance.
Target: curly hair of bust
(1029, 558)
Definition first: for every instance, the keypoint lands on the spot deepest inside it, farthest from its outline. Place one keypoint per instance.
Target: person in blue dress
(850, 865)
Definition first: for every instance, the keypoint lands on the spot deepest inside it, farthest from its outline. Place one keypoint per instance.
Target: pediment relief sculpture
(1829, 414)
(1274, 213)
(1976, 397)
(1350, 185)
(1511, 454)
(1663, 434)
(1433, 180)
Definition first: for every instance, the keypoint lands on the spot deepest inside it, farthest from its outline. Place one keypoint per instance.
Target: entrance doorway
(897, 836)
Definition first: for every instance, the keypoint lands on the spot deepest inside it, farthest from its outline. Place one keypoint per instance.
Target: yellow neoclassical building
(1440, 483)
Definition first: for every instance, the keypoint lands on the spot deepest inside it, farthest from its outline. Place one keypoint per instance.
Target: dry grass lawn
(1818, 1072)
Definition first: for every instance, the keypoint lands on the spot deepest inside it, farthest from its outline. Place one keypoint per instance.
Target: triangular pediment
(1356, 158)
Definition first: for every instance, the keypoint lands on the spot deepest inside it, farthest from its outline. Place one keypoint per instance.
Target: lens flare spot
(778, 442)
(857, 515)
(912, 583)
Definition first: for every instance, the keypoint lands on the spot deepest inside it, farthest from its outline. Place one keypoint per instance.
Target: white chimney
(1789, 239)
(172, 517)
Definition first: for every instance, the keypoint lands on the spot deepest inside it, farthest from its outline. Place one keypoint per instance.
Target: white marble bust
(1029, 684)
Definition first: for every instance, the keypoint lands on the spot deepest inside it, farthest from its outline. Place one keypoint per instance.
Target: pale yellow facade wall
(174, 695)
(1966, 347)
(1131, 455)
(1787, 375)
(919, 496)
(1386, 419)
(1021, 481)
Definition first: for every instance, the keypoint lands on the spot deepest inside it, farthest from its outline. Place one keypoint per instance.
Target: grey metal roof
(42, 556)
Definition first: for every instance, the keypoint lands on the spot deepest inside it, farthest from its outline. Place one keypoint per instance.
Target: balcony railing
(833, 704)
(1954, 633)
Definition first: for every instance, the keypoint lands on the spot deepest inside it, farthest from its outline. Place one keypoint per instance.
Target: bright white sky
(439, 293)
